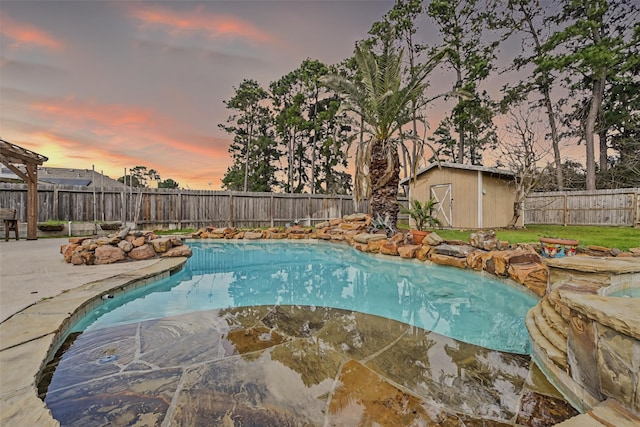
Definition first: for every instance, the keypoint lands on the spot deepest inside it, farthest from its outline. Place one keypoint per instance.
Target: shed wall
(497, 203)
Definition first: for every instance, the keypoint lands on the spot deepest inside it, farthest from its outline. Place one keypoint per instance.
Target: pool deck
(39, 292)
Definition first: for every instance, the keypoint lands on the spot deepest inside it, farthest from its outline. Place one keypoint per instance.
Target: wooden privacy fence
(166, 208)
(599, 207)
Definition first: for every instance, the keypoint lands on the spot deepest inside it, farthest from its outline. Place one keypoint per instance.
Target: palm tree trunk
(384, 186)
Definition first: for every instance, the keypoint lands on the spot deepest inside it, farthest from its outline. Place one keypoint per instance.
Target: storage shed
(468, 196)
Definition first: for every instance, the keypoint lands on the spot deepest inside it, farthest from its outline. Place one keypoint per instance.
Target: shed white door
(444, 197)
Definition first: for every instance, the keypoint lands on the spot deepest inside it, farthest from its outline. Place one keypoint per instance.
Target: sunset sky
(115, 84)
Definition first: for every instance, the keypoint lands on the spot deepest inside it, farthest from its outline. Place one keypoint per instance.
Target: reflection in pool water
(456, 303)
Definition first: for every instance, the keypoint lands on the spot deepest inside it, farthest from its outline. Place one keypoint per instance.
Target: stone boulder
(448, 260)
(487, 241)
(433, 239)
(123, 233)
(355, 217)
(68, 251)
(107, 254)
(423, 253)
(89, 245)
(368, 237)
(408, 251)
(76, 257)
(125, 246)
(389, 248)
(138, 241)
(145, 251)
(88, 257)
(458, 251)
(253, 235)
(161, 245)
(178, 251)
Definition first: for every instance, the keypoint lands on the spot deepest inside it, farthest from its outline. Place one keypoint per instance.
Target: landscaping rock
(123, 233)
(88, 257)
(176, 241)
(423, 252)
(324, 224)
(76, 257)
(389, 248)
(145, 251)
(125, 246)
(458, 251)
(487, 241)
(448, 260)
(89, 244)
(355, 217)
(68, 251)
(161, 245)
(408, 251)
(433, 239)
(252, 235)
(368, 237)
(107, 254)
(476, 259)
(177, 251)
(138, 241)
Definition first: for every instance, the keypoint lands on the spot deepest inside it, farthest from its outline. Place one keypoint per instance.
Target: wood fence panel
(600, 207)
(168, 208)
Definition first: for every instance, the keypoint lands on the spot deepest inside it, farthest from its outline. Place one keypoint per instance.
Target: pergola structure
(12, 155)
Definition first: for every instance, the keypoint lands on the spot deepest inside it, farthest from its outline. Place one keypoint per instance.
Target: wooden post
(271, 210)
(636, 208)
(179, 210)
(230, 209)
(32, 201)
(565, 212)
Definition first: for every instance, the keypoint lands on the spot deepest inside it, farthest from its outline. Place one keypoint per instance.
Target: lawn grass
(622, 238)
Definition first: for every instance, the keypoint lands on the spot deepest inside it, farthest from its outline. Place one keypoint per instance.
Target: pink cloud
(127, 136)
(27, 35)
(215, 26)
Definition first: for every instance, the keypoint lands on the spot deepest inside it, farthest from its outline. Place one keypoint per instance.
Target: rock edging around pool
(521, 263)
(125, 245)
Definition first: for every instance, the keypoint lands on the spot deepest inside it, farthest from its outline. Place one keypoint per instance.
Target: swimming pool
(459, 304)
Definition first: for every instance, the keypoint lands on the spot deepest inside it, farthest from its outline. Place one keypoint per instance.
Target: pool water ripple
(460, 304)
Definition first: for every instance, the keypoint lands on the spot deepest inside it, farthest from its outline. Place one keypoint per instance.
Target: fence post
(636, 208)
(230, 210)
(179, 209)
(271, 210)
(565, 211)
(56, 213)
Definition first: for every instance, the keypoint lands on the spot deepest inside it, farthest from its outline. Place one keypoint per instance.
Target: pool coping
(29, 338)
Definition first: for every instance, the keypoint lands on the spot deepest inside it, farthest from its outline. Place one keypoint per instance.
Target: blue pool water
(628, 293)
(221, 274)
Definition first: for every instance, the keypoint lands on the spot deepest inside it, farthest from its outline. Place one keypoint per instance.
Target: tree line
(576, 81)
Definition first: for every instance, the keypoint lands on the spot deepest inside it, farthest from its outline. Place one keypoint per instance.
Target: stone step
(556, 356)
(553, 318)
(553, 336)
(559, 307)
(608, 413)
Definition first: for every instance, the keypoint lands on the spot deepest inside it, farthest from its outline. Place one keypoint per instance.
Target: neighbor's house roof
(492, 171)
(68, 176)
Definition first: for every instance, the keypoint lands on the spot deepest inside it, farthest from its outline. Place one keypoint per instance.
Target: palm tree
(384, 104)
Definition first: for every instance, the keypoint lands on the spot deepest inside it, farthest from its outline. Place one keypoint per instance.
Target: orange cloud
(216, 26)
(26, 34)
(117, 136)
(109, 115)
